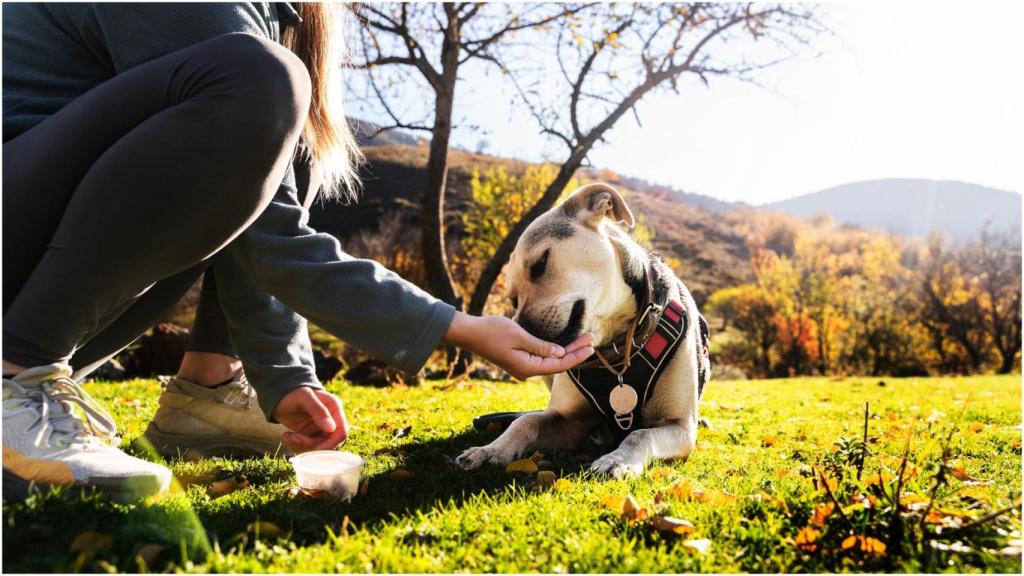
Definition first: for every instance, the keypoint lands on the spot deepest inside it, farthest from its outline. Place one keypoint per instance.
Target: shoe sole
(137, 488)
(185, 446)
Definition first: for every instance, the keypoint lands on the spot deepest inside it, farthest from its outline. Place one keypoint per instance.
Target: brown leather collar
(642, 327)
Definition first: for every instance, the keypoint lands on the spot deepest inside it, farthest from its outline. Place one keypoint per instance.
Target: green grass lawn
(765, 442)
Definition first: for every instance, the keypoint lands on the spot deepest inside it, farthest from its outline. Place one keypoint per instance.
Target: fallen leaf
(384, 426)
(399, 474)
(681, 490)
(563, 485)
(401, 433)
(89, 544)
(769, 441)
(364, 487)
(701, 546)
(661, 473)
(525, 465)
(614, 503)
(265, 529)
(632, 511)
(536, 457)
(806, 539)
(226, 486)
(390, 451)
(672, 525)
(717, 497)
(976, 427)
(960, 474)
(545, 479)
(865, 544)
(148, 553)
(821, 514)
(881, 478)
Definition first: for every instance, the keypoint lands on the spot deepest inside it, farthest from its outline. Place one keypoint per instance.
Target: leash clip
(652, 307)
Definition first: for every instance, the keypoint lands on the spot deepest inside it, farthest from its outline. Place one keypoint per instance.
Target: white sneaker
(56, 434)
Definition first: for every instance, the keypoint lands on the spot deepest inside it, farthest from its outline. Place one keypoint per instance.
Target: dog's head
(571, 270)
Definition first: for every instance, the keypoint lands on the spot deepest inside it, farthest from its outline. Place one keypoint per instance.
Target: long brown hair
(319, 42)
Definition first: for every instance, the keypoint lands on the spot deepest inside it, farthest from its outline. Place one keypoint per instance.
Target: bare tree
(407, 47)
(605, 63)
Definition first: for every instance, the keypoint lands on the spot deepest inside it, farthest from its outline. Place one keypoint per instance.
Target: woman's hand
(512, 348)
(315, 417)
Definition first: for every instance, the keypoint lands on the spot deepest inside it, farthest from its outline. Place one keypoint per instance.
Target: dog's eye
(537, 268)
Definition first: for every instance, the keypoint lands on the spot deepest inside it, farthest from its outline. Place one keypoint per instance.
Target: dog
(575, 270)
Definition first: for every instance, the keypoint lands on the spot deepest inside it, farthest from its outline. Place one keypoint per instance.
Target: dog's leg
(673, 440)
(548, 430)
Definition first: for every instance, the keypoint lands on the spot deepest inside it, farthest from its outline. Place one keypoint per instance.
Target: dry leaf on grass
(545, 479)
(89, 544)
(821, 514)
(769, 441)
(807, 539)
(632, 511)
(226, 486)
(976, 427)
(960, 474)
(614, 503)
(264, 529)
(525, 465)
(401, 432)
(563, 485)
(672, 525)
(399, 474)
(148, 553)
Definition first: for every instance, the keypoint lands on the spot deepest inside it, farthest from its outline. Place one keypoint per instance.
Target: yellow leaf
(632, 511)
(563, 485)
(681, 490)
(880, 478)
(717, 497)
(399, 474)
(615, 503)
(806, 539)
(673, 525)
(661, 472)
(537, 457)
(976, 427)
(960, 474)
(525, 465)
(769, 441)
(700, 546)
(264, 529)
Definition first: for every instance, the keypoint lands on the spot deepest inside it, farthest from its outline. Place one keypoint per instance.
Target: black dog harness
(619, 389)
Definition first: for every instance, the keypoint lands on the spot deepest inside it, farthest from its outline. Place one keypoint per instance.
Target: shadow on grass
(38, 532)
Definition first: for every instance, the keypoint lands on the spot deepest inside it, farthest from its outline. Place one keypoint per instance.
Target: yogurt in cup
(336, 473)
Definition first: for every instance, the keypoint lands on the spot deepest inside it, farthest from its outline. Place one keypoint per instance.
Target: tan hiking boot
(196, 421)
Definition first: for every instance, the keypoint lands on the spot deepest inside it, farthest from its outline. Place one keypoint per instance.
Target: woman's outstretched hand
(512, 348)
(315, 418)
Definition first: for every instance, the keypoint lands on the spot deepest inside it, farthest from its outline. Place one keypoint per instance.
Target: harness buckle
(652, 307)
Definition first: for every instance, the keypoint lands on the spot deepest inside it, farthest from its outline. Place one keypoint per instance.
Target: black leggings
(113, 206)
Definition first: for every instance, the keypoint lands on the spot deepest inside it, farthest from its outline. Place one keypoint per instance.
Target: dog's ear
(593, 202)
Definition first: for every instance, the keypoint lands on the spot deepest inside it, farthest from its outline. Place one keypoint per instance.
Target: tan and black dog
(574, 271)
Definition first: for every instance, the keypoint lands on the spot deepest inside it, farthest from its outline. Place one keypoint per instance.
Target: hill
(711, 253)
(912, 207)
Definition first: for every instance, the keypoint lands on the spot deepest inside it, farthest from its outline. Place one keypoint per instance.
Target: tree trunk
(435, 258)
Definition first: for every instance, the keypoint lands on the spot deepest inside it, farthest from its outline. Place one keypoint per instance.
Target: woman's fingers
(318, 413)
(583, 340)
(530, 343)
(340, 433)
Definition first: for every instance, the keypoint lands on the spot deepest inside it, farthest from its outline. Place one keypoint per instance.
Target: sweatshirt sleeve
(357, 300)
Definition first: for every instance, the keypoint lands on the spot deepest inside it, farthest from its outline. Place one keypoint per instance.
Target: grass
(766, 438)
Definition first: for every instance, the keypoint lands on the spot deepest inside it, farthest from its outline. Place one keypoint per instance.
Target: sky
(896, 91)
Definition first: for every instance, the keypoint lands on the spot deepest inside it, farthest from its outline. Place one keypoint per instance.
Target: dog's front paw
(472, 458)
(616, 466)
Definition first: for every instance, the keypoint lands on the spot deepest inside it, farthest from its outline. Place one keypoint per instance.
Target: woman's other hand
(512, 348)
(315, 418)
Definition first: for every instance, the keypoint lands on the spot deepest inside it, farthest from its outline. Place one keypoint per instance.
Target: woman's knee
(270, 84)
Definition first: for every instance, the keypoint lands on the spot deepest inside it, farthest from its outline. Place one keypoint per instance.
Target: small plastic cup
(330, 471)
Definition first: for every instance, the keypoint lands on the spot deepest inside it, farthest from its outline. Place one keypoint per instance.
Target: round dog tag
(622, 399)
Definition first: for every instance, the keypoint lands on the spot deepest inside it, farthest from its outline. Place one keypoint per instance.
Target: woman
(144, 146)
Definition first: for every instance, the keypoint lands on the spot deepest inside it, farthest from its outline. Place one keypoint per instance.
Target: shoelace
(64, 412)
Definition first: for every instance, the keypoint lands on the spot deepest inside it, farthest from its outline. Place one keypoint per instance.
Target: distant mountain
(912, 207)
(367, 135)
